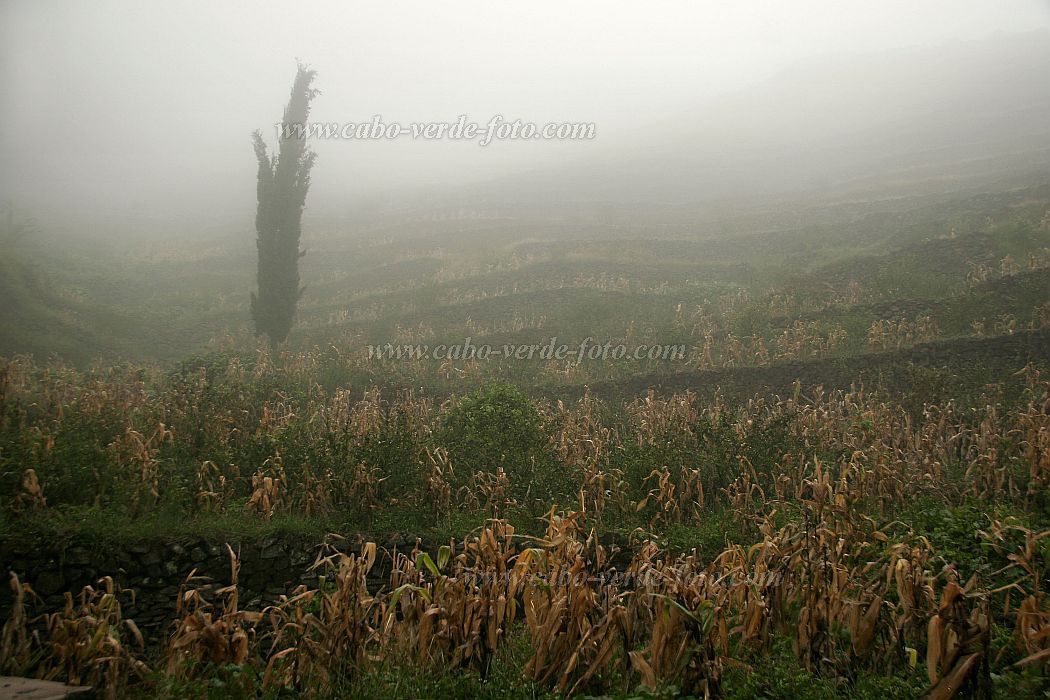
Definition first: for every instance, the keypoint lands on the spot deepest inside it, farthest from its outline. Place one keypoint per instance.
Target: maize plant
(1041, 316)
(210, 633)
(139, 455)
(269, 489)
(894, 334)
(30, 494)
(457, 610)
(957, 644)
(488, 492)
(90, 643)
(316, 492)
(1029, 558)
(18, 642)
(324, 632)
(439, 478)
(363, 488)
(571, 640)
(214, 490)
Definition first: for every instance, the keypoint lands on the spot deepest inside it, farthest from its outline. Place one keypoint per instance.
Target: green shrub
(498, 426)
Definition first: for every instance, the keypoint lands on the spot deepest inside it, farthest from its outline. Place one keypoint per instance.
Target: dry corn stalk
(90, 642)
(269, 491)
(30, 494)
(140, 454)
(324, 632)
(17, 641)
(206, 633)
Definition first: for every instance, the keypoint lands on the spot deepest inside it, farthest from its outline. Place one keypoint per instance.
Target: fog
(727, 396)
(133, 111)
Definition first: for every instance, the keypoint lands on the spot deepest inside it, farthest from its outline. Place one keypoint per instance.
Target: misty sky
(141, 108)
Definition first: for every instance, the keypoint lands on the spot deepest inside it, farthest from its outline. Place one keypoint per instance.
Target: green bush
(497, 426)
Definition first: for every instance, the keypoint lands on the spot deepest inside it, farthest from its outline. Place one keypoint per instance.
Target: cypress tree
(283, 181)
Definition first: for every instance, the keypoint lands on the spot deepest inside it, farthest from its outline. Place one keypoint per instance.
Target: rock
(256, 581)
(271, 566)
(78, 556)
(273, 551)
(49, 582)
(19, 566)
(35, 689)
(168, 593)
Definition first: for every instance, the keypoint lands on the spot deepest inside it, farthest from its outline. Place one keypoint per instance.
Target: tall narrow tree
(284, 179)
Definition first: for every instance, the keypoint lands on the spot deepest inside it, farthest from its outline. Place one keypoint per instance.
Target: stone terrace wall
(155, 569)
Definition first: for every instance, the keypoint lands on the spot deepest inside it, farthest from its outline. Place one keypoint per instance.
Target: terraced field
(840, 490)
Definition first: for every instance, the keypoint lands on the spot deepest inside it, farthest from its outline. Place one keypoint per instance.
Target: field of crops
(841, 490)
(825, 526)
